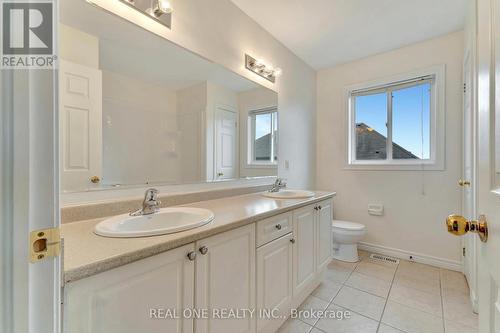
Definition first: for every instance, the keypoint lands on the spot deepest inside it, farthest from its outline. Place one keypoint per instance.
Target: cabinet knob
(278, 226)
(203, 250)
(292, 240)
(191, 255)
(320, 208)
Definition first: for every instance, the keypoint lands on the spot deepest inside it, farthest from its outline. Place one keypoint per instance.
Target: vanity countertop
(86, 254)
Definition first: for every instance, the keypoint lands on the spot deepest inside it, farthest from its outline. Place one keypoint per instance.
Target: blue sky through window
(410, 117)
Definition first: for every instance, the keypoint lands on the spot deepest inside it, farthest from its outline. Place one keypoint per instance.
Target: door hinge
(463, 251)
(44, 243)
(465, 88)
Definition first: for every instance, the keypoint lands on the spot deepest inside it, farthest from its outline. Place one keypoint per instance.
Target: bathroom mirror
(137, 110)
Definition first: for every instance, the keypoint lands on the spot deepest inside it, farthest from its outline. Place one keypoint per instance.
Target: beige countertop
(86, 253)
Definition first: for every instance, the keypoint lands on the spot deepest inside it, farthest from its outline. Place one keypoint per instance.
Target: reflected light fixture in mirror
(159, 10)
(261, 68)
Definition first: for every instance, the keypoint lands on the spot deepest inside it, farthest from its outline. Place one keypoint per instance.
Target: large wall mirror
(137, 110)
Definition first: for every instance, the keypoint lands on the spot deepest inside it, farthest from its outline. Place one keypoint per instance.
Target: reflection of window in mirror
(263, 137)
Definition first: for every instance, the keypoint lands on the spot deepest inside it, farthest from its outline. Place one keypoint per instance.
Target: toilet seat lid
(347, 225)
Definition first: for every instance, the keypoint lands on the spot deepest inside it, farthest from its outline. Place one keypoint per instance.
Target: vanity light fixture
(259, 67)
(159, 10)
(161, 7)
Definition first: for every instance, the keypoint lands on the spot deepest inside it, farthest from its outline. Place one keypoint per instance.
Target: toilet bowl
(346, 236)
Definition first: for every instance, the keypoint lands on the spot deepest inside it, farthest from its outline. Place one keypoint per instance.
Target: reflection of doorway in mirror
(80, 106)
(226, 147)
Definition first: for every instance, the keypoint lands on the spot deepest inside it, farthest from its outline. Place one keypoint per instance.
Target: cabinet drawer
(273, 227)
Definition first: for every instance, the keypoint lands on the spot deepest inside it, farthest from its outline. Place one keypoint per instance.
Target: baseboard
(417, 257)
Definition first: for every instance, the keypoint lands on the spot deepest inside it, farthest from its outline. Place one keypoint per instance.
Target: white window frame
(251, 162)
(436, 128)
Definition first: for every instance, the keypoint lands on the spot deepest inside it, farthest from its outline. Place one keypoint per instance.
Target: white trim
(417, 257)
(437, 128)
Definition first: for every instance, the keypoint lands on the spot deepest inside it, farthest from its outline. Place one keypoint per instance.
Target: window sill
(396, 167)
(261, 166)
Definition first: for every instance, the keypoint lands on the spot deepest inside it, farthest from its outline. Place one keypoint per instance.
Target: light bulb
(161, 7)
(259, 62)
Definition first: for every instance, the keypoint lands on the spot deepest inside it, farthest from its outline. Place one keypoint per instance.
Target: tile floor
(389, 298)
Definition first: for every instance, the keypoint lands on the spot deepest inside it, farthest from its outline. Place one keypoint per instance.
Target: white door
(274, 282)
(304, 250)
(226, 144)
(225, 279)
(135, 297)
(324, 233)
(469, 181)
(81, 126)
(30, 293)
(488, 94)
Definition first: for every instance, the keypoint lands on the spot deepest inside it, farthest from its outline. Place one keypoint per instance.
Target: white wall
(221, 32)
(191, 108)
(140, 134)
(251, 100)
(78, 47)
(416, 203)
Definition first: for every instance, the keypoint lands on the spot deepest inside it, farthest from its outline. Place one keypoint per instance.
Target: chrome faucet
(150, 205)
(278, 184)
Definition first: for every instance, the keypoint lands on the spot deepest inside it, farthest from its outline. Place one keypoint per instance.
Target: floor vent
(387, 259)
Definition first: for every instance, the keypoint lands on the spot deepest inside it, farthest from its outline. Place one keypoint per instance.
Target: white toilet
(346, 236)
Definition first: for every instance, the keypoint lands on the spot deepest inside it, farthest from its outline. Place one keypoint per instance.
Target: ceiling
(326, 33)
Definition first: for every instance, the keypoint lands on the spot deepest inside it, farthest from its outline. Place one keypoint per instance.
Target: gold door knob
(95, 179)
(462, 182)
(459, 225)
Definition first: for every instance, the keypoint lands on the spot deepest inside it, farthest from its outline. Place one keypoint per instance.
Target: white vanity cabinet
(225, 279)
(274, 282)
(124, 299)
(304, 249)
(274, 263)
(324, 216)
(312, 250)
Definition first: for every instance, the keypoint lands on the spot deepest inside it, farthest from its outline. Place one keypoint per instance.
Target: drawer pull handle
(292, 240)
(203, 250)
(278, 226)
(191, 255)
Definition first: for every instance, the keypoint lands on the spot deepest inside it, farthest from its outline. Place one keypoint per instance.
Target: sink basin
(165, 221)
(289, 194)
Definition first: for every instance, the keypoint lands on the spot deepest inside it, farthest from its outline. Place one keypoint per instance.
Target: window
(263, 137)
(395, 123)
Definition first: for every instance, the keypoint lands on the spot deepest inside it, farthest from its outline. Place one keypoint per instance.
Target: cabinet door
(324, 234)
(274, 282)
(304, 249)
(124, 299)
(225, 279)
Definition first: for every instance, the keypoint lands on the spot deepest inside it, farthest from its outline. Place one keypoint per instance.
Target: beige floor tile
(327, 290)
(361, 302)
(419, 271)
(378, 271)
(454, 282)
(411, 320)
(451, 327)
(412, 281)
(417, 299)
(363, 254)
(311, 304)
(388, 329)
(369, 284)
(344, 264)
(336, 273)
(354, 324)
(458, 309)
(294, 326)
